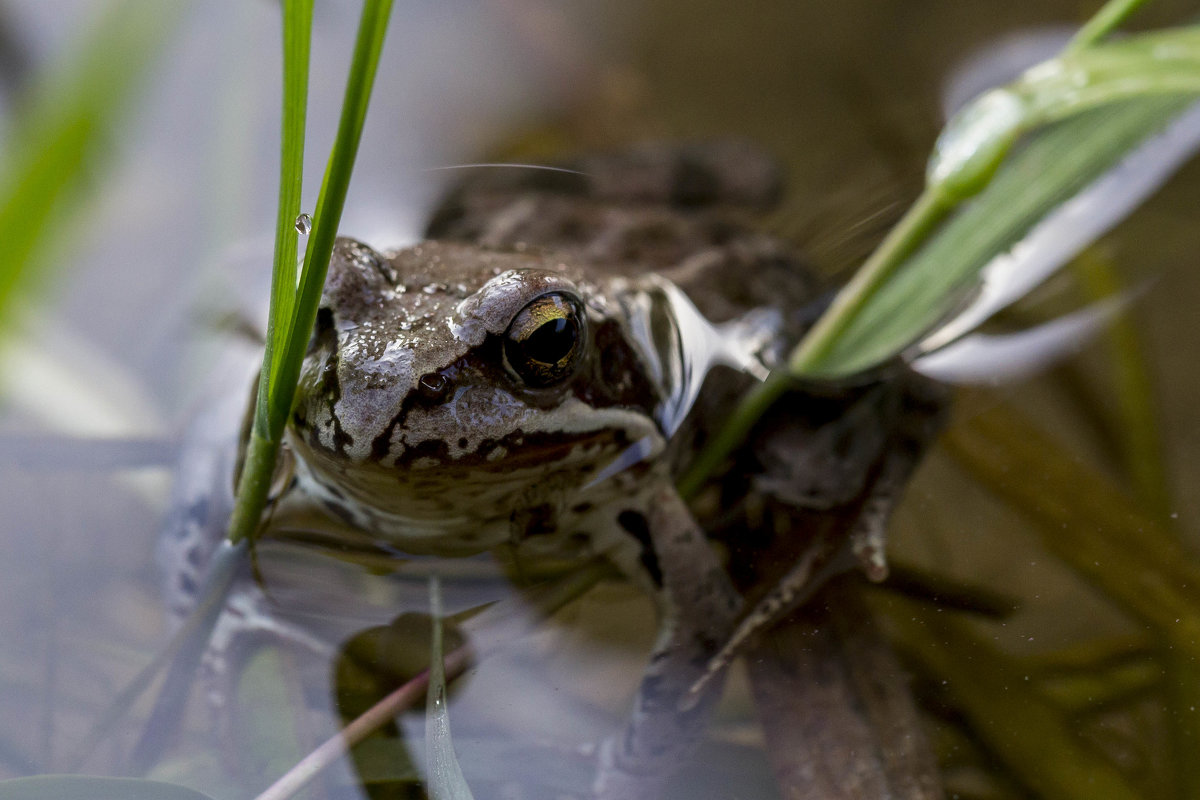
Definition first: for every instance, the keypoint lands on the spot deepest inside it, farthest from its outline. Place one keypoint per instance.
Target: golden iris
(545, 339)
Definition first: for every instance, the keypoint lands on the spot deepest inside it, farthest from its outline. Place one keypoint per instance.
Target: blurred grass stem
(1034, 738)
(906, 235)
(1102, 23)
(60, 137)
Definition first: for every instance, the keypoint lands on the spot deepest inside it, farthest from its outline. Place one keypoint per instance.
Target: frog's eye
(545, 340)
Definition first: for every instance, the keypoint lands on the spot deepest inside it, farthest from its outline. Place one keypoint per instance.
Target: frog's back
(687, 212)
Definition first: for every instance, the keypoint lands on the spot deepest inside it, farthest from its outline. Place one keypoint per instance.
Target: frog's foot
(698, 607)
(826, 557)
(248, 621)
(861, 544)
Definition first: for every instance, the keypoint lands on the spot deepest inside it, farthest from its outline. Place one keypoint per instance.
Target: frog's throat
(545, 473)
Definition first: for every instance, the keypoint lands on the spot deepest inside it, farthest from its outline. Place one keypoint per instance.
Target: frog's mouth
(477, 495)
(493, 479)
(517, 450)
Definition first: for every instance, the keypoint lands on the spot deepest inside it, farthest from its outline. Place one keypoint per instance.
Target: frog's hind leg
(698, 607)
(857, 537)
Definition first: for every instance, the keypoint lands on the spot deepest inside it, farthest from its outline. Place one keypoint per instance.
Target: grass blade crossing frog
(535, 374)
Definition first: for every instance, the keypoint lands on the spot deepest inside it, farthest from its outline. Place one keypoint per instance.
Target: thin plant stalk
(1138, 426)
(444, 777)
(263, 446)
(330, 202)
(374, 718)
(1104, 22)
(915, 226)
(297, 40)
(283, 369)
(262, 449)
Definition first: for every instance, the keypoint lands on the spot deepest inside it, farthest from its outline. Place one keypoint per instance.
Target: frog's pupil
(543, 341)
(551, 342)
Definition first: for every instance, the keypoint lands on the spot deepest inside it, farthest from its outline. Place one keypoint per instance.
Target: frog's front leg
(697, 607)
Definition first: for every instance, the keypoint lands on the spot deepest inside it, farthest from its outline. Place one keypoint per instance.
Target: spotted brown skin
(447, 377)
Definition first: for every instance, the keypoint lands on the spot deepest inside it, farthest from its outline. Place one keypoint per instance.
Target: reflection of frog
(533, 376)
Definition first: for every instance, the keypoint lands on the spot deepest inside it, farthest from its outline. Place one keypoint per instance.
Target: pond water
(1065, 497)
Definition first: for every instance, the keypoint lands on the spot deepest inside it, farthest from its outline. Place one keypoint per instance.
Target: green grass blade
(291, 333)
(59, 139)
(297, 39)
(1161, 62)
(1106, 99)
(1104, 22)
(445, 780)
(332, 199)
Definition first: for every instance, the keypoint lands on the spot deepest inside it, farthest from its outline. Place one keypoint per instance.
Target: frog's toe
(246, 623)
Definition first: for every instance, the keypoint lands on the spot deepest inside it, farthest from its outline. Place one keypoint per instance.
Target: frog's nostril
(433, 385)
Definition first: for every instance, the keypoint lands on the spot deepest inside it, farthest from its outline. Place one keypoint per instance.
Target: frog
(536, 373)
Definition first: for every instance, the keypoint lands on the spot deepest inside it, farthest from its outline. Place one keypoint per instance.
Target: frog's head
(446, 376)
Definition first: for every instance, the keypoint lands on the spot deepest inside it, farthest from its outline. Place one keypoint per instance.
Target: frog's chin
(472, 519)
(460, 506)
